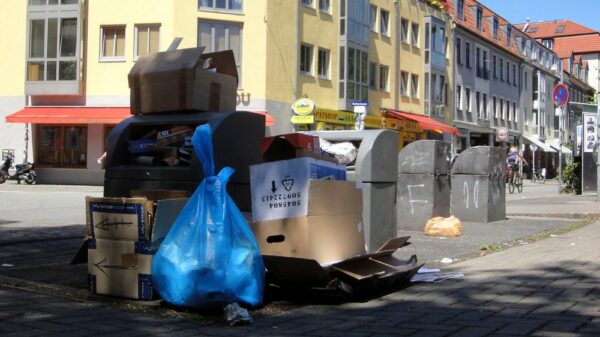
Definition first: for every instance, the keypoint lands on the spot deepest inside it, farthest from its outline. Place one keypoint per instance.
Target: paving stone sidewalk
(547, 288)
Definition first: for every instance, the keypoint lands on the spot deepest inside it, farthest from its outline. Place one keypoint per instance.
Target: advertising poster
(589, 133)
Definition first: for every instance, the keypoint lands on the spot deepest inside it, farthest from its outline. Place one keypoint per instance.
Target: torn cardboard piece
(119, 218)
(356, 276)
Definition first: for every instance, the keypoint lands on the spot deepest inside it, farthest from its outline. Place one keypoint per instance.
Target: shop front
(67, 141)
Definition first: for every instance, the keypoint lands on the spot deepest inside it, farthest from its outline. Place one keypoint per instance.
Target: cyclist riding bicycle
(514, 159)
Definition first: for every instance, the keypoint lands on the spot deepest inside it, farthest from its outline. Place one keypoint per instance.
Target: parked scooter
(23, 172)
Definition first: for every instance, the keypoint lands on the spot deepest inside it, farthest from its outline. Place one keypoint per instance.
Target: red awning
(426, 123)
(70, 115)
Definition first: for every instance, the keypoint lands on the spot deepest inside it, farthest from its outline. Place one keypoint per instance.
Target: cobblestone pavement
(546, 288)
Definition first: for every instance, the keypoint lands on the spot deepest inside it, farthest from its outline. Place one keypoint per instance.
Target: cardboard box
(184, 79)
(120, 268)
(359, 276)
(176, 135)
(280, 189)
(119, 218)
(330, 231)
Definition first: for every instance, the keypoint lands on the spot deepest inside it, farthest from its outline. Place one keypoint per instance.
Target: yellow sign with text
(309, 119)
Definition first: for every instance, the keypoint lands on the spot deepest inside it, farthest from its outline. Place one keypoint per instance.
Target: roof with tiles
(577, 44)
(555, 29)
(469, 22)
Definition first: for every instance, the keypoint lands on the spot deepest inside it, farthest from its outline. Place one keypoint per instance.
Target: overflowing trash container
(423, 190)
(478, 188)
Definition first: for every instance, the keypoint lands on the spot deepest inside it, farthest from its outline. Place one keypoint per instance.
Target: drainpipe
(396, 54)
(453, 149)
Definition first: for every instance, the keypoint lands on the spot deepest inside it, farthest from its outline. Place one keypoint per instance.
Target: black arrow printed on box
(273, 188)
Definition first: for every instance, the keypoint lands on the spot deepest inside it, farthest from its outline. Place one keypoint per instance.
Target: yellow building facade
(73, 56)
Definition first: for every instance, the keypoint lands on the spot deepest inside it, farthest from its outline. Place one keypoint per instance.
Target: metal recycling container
(171, 163)
(376, 175)
(477, 185)
(423, 189)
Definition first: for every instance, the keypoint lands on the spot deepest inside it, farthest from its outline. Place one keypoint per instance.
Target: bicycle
(514, 181)
(538, 176)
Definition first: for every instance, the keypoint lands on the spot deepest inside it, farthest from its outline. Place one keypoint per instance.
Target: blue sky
(585, 12)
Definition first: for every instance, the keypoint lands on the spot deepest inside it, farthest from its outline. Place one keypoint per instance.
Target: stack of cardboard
(120, 247)
(308, 223)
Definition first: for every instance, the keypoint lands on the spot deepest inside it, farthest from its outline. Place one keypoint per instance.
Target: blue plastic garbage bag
(210, 256)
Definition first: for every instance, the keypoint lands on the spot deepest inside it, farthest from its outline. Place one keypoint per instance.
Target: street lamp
(533, 148)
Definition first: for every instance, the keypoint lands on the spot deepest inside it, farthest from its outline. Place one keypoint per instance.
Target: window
(485, 107)
(479, 18)
(61, 146)
(468, 100)
(494, 107)
(383, 78)
(372, 72)
(323, 63)
(146, 39)
(404, 30)
(415, 34)
(232, 5)
(494, 70)
(443, 97)
(460, 9)
(507, 72)
(548, 43)
(404, 83)
(357, 76)
(308, 3)
(458, 51)
(525, 116)
(559, 29)
(373, 18)
(458, 97)
(478, 61)
(525, 80)
(501, 108)
(113, 43)
(325, 6)
(514, 67)
(305, 59)
(532, 29)
(52, 2)
(485, 65)
(478, 104)
(508, 35)
(384, 23)
(217, 36)
(508, 114)
(495, 28)
(52, 49)
(414, 86)
(501, 69)
(468, 54)
(514, 110)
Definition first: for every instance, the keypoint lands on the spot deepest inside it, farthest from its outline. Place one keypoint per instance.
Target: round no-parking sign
(501, 134)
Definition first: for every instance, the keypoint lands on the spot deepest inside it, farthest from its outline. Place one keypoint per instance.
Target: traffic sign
(560, 94)
(501, 133)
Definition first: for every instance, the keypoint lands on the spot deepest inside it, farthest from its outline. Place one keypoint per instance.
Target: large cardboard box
(329, 231)
(120, 268)
(280, 189)
(184, 79)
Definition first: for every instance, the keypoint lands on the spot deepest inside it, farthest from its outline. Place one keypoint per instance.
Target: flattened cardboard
(167, 211)
(184, 79)
(365, 273)
(280, 189)
(119, 218)
(120, 268)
